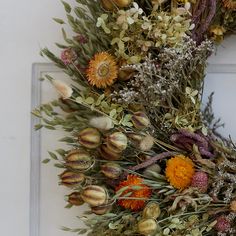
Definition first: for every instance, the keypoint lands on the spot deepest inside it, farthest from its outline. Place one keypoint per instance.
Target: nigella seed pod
(117, 142)
(90, 138)
(152, 210)
(75, 199)
(147, 227)
(71, 179)
(111, 170)
(102, 209)
(107, 154)
(94, 195)
(140, 120)
(79, 160)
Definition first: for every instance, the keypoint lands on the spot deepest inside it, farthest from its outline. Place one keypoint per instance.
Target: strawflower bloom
(102, 71)
(136, 189)
(230, 4)
(68, 56)
(179, 171)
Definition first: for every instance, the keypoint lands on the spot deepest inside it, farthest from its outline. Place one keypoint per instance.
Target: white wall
(24, 26)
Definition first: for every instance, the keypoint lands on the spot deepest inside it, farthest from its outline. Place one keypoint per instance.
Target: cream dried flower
(102, 123)
(62, 88)
(146, 143)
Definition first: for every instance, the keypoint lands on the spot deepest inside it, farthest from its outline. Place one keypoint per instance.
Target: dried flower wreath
(141, 153)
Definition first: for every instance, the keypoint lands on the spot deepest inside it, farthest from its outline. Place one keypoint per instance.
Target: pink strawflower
(68, 56)
(200, 181)
(223, 224)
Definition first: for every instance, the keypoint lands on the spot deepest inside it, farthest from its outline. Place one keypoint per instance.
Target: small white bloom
(146, 143)
(63, 89)
(102, 123)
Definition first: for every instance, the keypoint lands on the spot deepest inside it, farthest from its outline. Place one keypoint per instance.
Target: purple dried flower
(200, 181)
(68, 56)
(223, 224)
(81, 39)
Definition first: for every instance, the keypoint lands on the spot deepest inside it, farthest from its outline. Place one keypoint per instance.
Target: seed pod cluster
(140, 120)
(71, 179)
(111, 170)
(75, 199)
(148, 225)
(94, 195)
(90, 138)
(79, 160)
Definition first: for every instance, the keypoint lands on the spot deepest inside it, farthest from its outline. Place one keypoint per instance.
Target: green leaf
(113, 113)
(68, 206)
(67, 140)
(53, 155)
(49, 127)
(59, 166)
(59, 21)
(38, 126)
(66, 6)
(61, 152)
(45, 161)
(89, 100)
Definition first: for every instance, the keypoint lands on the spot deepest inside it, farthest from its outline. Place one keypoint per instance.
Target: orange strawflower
(102, 71)
(179, 171)
(230, 4)
(142, 191)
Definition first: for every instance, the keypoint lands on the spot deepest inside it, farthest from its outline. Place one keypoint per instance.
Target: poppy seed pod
(75, 199)
(90, 138)
(140, 120)
(147, 227)
(79, 160)
(107, 154)
(117, 142)
(111, 170)
(94, 195)
(71, 179)
(152, 210)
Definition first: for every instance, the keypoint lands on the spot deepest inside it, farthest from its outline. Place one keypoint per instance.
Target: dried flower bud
(75, 199)
(117, 142)
(79, 160)
(147, 227)
(152, 210)
(153, 168)
(108, 154)
(94, 195)
(102, 209)
(90, 138)
(140, 120)
(68, 56)
(122, 3)
(102, 123)
(62, 88)
(200, 181)
(71, 179)
(223, 224)
(111, 5)
(146, 143)
(111, 170)
(135, 138)
(233, 206)
(108, 5)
